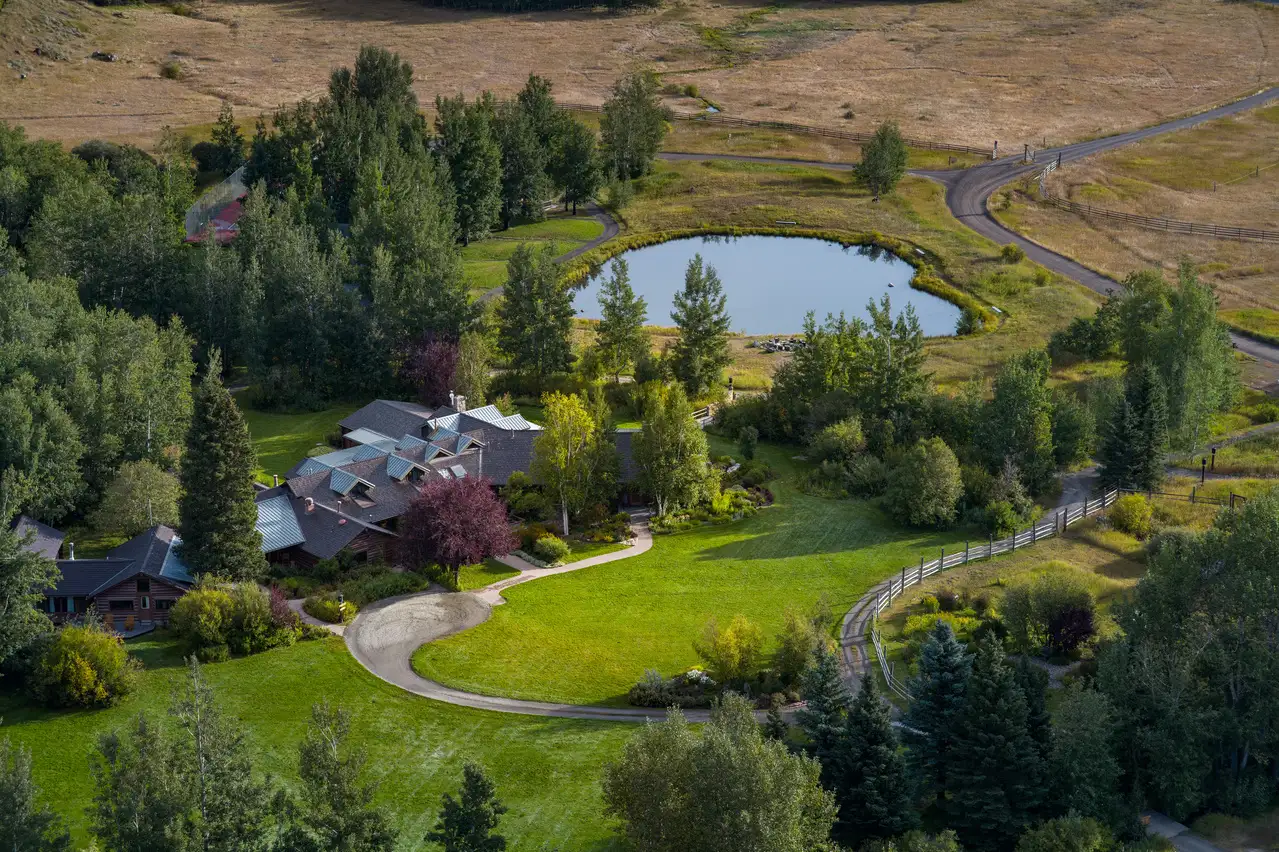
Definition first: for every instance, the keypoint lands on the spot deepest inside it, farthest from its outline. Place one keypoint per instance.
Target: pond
(772, 282)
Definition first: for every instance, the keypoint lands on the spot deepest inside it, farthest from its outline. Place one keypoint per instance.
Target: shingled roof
(153, 553)
(45, 540)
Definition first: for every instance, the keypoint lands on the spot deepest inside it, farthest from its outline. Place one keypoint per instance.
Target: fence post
(1192, 495)
(965, 552)
(1014, 539)
(1034, 534)
(990, 549)
(941, 563)
(903, 578)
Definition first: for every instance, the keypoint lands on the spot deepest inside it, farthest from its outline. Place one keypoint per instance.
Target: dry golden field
(974, 72)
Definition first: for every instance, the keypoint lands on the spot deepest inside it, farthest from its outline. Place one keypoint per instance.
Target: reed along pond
(772, 282)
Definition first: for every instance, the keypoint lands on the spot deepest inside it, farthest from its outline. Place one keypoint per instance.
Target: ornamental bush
(326, 608)
(926, 486)
(551, 549)
(85, 666)
(214, 621)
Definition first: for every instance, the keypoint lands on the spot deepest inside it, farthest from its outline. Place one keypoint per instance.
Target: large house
(351, 498)
(141, 578)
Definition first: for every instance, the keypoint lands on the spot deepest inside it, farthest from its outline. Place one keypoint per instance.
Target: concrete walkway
(384, 636)
(296, 605)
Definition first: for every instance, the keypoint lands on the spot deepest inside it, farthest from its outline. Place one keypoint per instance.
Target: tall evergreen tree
(883, 160)
(939, 687)
(536, 314)
(474, 158)
(874, 792)
(1082, 766)
(218, 515)
(825, 711)
(633, 125)
(620, 334)
(1132, 452)
(525, 185)
(336, 812)
(995, 777)
(1033, 682)
(469, 822)
(28, 824)
(701, 353)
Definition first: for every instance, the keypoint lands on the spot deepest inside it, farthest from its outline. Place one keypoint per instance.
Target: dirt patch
(1013, 70)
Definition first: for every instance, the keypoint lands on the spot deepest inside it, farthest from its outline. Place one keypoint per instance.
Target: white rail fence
(1049, 526)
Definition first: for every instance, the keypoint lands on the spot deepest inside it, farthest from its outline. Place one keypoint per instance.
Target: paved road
(967, 191)
(1182, 838)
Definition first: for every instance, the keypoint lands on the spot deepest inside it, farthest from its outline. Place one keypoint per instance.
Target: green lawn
(481, 575)
(579, 550)
(281, 440)
(546, 770)
(587, 636)
(484, 262)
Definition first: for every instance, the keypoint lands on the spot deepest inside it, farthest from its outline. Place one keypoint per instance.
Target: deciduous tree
(883, 160)
(29, 825)
(575, 164)
(562, 459)
(925, 487)
(454, 522)
(525, 184)
(474, 158)
(228, 140)
(633, 125)
(1018, 421)
(141, 496)
(672, 453)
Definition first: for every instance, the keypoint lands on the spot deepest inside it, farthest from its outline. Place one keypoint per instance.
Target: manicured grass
(487, 572)
(588, 636)
(484, 261)
(282, 440)
(1260, 322)
(546, 770)
(579, 550)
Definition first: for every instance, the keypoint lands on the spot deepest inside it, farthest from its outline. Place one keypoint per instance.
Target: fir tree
(824, 713)
(621, 336)
(944, 671)
(775, 726)
(1033, 682)
(525, 184)
(474, 158)
(701, 353)
(218, 515)
(995, 776)
(874, 792)
(1132, 455)
(467, 823)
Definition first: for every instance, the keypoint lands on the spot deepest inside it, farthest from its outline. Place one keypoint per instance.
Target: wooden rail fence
(1049, 526)
(1153, 223)
(827, 132)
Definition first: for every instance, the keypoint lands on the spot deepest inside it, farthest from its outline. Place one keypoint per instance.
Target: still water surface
(771, 282)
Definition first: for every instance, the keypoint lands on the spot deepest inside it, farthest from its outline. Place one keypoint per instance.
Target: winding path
(611, 229)
(384, 636)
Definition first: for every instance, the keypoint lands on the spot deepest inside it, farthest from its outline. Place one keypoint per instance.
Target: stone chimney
(461, 403)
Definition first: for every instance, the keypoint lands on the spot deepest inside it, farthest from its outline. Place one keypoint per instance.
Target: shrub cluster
(551, 549)
(694, 688)
(327, 608)
(216, 620)
(614, 529)
(85, 666)
(1055, 611)
(1132, 514)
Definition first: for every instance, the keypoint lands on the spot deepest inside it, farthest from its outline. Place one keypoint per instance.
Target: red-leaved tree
(454, 522)
(430, 366)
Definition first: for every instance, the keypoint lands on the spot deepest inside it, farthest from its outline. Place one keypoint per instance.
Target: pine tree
(995, 777)
(218, 515)
(28, 825)
(536, 314)
(824, 714)
(620, 334)
(1132, 455)
(1033, 682)
(467, 823)
(939, 687)
(575, 164)
(701, 353)
(775, 726)
(874, 792)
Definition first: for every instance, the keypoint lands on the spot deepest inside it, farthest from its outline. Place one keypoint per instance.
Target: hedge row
(925, 278)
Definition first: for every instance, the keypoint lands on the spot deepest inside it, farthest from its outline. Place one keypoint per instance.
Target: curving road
(611, 229)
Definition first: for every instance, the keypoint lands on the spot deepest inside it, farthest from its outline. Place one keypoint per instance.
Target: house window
(146, 602)
(59, 604)
(144, 585)
(163, 605)
(117, 606)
